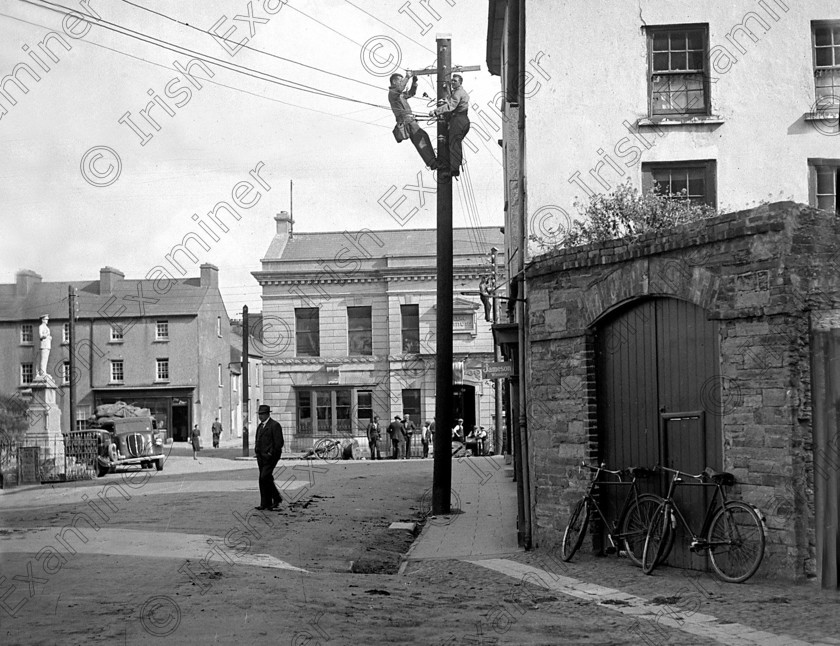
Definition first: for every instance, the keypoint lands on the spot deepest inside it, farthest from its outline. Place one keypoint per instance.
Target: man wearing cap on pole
(268, 447)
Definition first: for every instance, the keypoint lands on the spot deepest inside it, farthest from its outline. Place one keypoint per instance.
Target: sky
(87, 182)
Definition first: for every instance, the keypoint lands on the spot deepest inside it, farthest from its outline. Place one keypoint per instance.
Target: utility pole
(245, 395)
(444, 410)
(442, 476)
(71, 296)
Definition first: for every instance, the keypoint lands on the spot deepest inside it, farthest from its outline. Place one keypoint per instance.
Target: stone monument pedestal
(45, 425)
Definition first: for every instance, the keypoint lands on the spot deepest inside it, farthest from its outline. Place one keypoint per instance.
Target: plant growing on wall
(626, 212)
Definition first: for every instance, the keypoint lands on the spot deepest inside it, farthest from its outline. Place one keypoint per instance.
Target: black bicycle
(732, 532)
(631, 528)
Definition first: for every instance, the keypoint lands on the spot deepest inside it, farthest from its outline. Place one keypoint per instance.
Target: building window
(826, 36)
(307, 332)
(65, 373)
(117, 373)
(411, 404)
(365, 406)
(219, 326)
(83, 413)
(162, 370)
(116, 333)
(162, 331)
(65, 333)
(26, 334)
(410, 328)
(325, 412)
(257, 375)
(694, 180)
(359, 331)
(221, 383)
(26, 374)
(677, 65)
(825, 182)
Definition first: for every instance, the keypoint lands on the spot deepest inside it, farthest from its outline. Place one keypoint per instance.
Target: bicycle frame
(698, 543)
(633, 496)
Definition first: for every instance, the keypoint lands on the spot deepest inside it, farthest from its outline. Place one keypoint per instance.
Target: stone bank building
(349, 329)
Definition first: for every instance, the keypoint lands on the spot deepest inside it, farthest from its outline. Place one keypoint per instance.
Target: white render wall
(595, 57)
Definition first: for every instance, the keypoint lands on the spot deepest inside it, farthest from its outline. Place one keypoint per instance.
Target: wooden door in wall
(658, 400)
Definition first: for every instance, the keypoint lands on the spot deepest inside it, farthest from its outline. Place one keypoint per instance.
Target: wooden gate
(658, 387)
(825, 383)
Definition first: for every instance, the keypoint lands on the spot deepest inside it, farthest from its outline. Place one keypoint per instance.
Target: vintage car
(129, 440)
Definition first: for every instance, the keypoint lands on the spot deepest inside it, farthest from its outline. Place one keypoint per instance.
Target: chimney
(108, 279)
(25, 280)
(209, 275)
(285, 224)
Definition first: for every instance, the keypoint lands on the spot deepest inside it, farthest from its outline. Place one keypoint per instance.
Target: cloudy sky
(86, 181)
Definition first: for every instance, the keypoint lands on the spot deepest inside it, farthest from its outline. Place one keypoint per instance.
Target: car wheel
(101, 471)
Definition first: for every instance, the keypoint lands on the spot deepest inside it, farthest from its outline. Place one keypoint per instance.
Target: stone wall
(761, 274)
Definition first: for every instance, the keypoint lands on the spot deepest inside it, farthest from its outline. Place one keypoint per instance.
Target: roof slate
(184, 298)
(389, 243)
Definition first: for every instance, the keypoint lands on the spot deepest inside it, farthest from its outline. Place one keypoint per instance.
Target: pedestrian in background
(217, 433)
(268, 447)
(425, 438)
(374, 437)
(409, 429)
(195, 440)
(397, 434)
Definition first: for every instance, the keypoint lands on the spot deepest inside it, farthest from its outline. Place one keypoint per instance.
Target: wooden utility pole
(71, 296)
(245, 395)
(442, 477)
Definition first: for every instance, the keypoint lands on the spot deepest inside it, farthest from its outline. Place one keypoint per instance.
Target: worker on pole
(455, 108)
(398, 98)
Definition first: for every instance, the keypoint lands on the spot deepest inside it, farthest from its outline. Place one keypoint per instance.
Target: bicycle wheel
(327, 449)
(659, 538)
(575, 530)
(633, 525)
(736, 542)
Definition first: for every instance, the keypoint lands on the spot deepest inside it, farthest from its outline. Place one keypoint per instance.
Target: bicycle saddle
(720, 477)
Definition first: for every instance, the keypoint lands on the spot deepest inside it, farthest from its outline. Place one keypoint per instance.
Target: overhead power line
(210, 81)
(178, 49)
(248, 47)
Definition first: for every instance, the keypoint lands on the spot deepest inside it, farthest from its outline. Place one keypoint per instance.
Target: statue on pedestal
(46, 345)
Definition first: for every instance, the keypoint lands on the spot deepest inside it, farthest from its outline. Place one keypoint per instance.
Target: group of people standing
(400, 434)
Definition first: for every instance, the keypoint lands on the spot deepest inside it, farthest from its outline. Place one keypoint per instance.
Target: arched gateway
(658, 394)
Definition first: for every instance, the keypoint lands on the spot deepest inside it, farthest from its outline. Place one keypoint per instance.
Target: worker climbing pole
(452, 110)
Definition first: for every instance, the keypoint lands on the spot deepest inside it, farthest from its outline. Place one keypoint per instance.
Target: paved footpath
(481, 531)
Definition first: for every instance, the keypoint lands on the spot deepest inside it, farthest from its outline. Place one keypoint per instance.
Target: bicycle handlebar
(635, 472)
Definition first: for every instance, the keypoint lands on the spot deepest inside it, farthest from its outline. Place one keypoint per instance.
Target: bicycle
(631, 528)
(327, 449)
(734, 530)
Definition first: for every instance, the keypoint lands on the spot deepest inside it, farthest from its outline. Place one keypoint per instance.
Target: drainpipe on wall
(522, 310)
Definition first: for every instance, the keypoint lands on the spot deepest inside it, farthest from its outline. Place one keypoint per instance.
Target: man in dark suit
(268, 447)
(397, 432)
